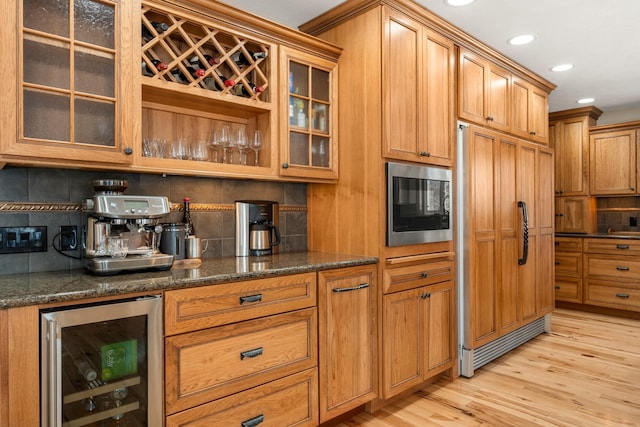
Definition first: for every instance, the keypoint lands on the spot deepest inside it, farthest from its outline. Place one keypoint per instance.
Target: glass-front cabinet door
(309, 141)
(74, 94)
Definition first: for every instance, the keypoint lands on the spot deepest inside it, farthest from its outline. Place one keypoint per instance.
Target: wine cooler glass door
(102, 364)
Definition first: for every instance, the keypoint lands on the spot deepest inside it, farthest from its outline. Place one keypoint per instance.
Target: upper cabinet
(309, 134)
(188, 88)
(418, 106)
(569, 136)
(612, 155)
(67, 82)
(495, 97)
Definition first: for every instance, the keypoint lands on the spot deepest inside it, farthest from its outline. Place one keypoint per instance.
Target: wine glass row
(181, 51)
(227, 144)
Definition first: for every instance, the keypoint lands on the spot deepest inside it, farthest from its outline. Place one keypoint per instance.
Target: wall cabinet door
(529, 113)
(348, 342)
(571, 144)
(575, 214)
(67, 104)
(418, 102)
(612, 158)
(484, 94)
(309, 135)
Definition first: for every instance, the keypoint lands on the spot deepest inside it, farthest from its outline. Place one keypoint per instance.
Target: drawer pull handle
(557, 288)
(353, 288)
(622, 246)
(557, 262)
(620, 268)
(623, 296)
(424, 275)
(251, 353)
(425, 295)
(251, 298)
(251, 422)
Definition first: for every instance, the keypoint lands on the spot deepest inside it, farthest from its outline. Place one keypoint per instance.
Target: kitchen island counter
(75, 285)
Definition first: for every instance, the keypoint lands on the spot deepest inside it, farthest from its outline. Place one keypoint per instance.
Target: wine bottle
(160, 28)
(179, 75)
(160, 66)
(241, 90)
(186, 219)
(241, 60)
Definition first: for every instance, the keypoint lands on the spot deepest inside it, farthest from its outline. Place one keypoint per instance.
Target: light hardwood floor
(586, 372)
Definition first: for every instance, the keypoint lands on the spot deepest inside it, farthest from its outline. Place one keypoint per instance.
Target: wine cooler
(101, 364)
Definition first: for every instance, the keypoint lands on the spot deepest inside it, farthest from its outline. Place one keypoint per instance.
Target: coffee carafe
(257, 230)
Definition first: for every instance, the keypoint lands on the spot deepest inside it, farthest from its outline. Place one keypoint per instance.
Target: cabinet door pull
(622, 246)
(425, 295)
(424, 275)
(525, 233)
(353, 288)
(623, 296)
(251, 422)
(425, 154)
(251, 298)
(557, 288)
(557, 262)
(621, 268)
(251, 353)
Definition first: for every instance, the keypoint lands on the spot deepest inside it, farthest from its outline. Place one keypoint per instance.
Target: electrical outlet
(633, 221)
(68, 238)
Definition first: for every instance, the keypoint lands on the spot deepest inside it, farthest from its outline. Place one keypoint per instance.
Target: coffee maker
(257, 230)
(122, 232)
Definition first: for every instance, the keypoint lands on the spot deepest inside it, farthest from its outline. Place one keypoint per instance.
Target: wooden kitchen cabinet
(418, 107)
(613, 166)
(418, 336)
(612, 273)
(529, 111)
(348, 339)
(576, 214)
(309, 139)
(20, 367)
(68, 83)
(569, 137)
(568, 269)
(260, 330)
(484, 95)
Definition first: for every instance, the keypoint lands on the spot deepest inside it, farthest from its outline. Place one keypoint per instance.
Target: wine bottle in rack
(179, 76)
(241, 90)
(186, 219)
(160, 28)
(159, 65)
(241, 60)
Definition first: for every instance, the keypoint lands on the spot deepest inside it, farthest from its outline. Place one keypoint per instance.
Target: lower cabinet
(419, 327)
(347, 331)
(568, 269)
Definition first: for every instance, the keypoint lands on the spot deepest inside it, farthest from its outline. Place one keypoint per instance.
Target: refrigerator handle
(54, 379)
(525, 233)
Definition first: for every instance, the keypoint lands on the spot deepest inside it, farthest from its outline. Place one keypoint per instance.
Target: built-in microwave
(418, 204)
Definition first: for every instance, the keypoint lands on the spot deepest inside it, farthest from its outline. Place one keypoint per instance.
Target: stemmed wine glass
(241, 144)
(215, 146)
(256, 144)
(224, 138)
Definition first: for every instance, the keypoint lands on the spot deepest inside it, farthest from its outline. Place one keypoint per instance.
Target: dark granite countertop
(632, 235)
(43, 288)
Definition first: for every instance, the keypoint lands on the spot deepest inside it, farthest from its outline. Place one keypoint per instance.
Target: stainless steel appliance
(102, 364)
(257, 230)
(122, 231)
(418, 204)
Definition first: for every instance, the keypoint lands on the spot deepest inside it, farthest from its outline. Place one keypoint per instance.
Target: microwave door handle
(525, 233)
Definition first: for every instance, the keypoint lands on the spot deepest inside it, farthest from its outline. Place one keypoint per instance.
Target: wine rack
(189, 52)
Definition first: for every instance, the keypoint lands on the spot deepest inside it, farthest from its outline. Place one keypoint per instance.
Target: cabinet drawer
(214, 305)
(568, 244)
(612, 246)
(607, 294)
(568, 264)
(568, 289)
(207, 365)
(400, 279)
(617, 267)
(285, 402)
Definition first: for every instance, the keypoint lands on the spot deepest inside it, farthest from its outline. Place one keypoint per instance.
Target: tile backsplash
(617, 212)
(48, 187)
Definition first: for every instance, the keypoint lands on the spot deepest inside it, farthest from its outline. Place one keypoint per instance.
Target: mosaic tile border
(77, 207)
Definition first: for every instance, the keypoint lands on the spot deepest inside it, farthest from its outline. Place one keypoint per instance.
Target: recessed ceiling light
(520, 40)
(458, 2)
(562, 67)
(585, 100)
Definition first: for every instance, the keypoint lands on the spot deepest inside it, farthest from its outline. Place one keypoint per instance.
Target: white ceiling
(601, 38)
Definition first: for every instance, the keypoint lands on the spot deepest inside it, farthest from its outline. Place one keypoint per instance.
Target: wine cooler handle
(55, 373)
(525, 233)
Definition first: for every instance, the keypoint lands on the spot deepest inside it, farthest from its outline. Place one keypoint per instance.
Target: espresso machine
(257, 230)
(121, 231)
